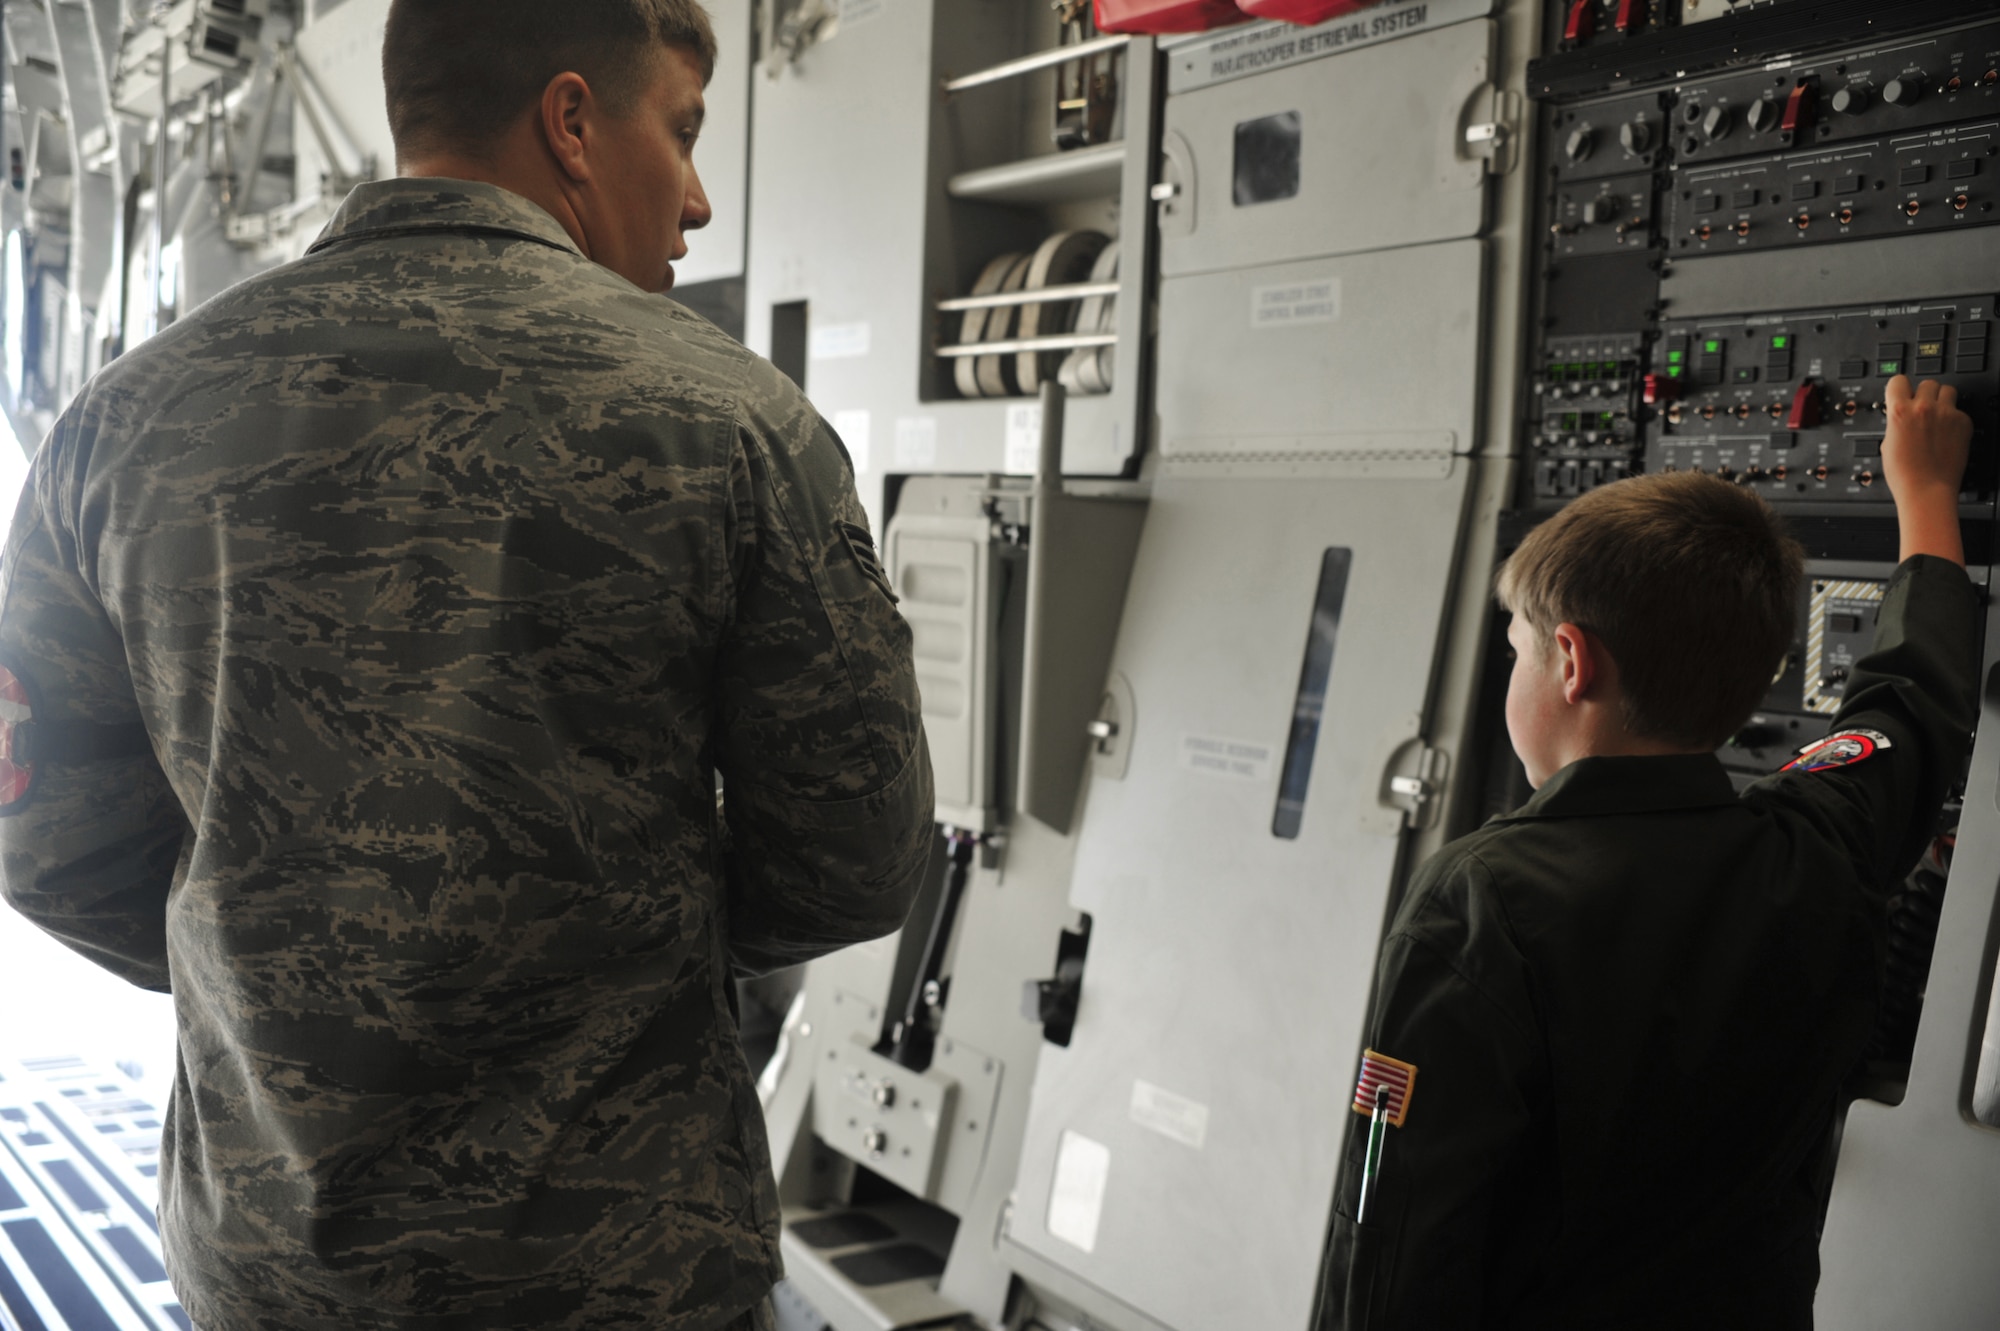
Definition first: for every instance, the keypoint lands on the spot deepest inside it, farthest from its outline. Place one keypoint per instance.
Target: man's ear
(1577, 661)
(565, 114)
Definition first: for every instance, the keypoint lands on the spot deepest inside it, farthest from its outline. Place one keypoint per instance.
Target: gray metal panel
(1398, 360)
(723, 156)
(1382, 157)
(1229, 968)
(1916, 1200)
(1861, 272)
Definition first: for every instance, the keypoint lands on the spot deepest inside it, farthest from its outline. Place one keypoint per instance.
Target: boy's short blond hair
(1690, 582)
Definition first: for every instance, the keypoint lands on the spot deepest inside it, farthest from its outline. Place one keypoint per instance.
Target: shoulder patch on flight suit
(17, 710)
(1379, 1071)
(1841, 750)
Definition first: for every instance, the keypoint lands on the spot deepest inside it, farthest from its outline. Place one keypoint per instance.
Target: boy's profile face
(1535, 702)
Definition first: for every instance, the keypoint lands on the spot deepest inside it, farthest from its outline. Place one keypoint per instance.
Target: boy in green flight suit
(1613, 1025)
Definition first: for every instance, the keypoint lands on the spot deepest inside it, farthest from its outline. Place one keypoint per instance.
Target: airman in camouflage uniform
(437, 576)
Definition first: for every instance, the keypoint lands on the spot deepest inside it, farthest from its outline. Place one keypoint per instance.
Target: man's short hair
(459, 73)
(1690, 582)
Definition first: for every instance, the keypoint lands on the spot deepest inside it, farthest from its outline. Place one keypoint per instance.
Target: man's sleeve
(826, 778)
(1452, 1002)
(1918, 690)
(90, 832)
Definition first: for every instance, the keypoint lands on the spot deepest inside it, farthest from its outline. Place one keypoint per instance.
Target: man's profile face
(648, 195)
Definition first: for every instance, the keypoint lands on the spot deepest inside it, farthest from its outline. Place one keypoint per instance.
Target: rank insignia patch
(1841, 750)
(1378, 1071)
(16, 778)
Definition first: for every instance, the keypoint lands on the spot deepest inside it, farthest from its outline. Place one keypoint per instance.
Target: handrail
(1053, 342)
(1028, 64)
(1039, 296)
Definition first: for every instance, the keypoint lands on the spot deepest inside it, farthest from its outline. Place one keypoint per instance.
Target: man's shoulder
(554, 313)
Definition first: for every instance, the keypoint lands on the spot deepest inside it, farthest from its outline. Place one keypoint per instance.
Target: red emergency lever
(1659, 388)
(1805, 407)
(1582, 21)
(1631, 14)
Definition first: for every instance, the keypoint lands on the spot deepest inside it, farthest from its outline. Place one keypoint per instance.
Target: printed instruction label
(1172, 1116)
(839, 342)
(852, 427)
(1289, 303)
(1024, 437)
(1076, 1199)
(916, 441)
(1226, 757)
(1247, 51)
(851, 12)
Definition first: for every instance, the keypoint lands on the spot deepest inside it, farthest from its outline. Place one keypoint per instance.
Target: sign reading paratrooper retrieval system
(1240, 52)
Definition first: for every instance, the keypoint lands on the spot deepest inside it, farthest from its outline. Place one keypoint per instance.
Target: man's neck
(541, 192)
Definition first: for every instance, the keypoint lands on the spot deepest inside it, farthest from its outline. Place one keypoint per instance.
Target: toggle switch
(1806, 406)
(1658, 388)
(1582, 25)
(1798, 110)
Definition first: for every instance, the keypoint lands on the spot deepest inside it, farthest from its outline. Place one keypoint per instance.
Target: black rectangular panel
(1879, 187)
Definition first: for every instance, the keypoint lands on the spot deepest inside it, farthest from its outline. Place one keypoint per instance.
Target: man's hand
(1923, 459)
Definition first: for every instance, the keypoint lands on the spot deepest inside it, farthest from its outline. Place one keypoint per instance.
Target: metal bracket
(1415, 783)
(1491, 128)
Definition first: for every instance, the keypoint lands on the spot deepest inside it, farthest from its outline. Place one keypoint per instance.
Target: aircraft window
(1311, 701)
(1267, 159)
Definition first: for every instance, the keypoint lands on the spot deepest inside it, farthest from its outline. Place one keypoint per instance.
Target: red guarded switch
(1659, 388)
(1798, 109)
(1805, 413)
(1631, 15)
(1582, 25)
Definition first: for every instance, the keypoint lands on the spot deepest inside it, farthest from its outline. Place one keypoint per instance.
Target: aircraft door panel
(1200, 1106)
(1355, 152)
(1382, 349)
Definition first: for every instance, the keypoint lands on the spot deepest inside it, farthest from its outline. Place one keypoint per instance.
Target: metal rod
(1028, 64)
(160, 185)
(260, 139)
(1054, 342)
(295, 70)
(1039, 296)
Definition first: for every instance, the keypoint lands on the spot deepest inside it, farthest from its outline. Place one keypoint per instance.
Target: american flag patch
(1378, 1071)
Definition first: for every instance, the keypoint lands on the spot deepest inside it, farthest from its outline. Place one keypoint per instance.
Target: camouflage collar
(408, 204)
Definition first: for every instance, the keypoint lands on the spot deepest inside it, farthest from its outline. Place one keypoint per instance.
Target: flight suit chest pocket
(861, 548)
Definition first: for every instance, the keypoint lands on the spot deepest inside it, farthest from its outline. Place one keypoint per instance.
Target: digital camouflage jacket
(372, 640)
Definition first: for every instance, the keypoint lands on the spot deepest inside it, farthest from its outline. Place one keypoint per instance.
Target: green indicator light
(1676, 357)
(1780, 343)
(1711, 346)
(1892, 367)
(1673, 372)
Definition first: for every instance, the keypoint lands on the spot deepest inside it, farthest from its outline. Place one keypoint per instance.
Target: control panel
(1792, 404)
(1884, 91)
(1924, 181)
(1895, 136)
(1589, 395)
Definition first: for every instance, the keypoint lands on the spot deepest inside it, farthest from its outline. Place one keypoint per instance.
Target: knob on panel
(1717, 123)
(1851, 101)
(1762, 115)
(1906, 91)
(1599, 211)
(1637, 137)
(1581, 144)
